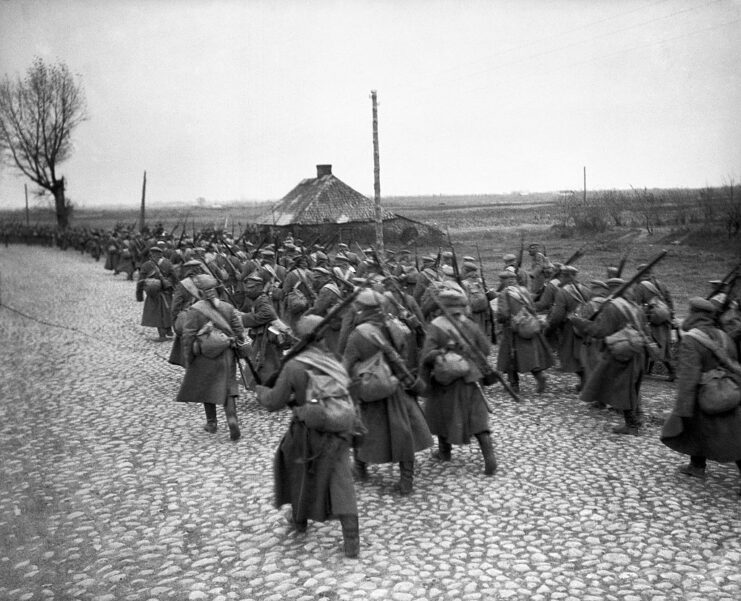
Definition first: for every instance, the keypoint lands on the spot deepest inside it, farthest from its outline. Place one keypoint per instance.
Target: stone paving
(112, 491)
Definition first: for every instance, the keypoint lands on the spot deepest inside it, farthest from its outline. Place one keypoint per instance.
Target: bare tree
(37, 116)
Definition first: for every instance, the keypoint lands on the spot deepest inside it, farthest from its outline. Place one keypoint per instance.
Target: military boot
(360, 468)
(540, 379)
(487, 450)
(406, 480)
(444, 450)
(210, 410)
(230, 408)
(350, 535)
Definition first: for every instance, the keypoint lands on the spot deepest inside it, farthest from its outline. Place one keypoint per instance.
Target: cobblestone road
(112, 491)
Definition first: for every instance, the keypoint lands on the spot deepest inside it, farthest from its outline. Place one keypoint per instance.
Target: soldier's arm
(278, 396)
(262, 314)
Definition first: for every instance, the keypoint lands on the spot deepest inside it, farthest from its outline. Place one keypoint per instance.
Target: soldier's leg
(487, 450)
(350, 535)
(444, 450)
(230, 409)
(539, 376)
(210, 410)
(406, 479)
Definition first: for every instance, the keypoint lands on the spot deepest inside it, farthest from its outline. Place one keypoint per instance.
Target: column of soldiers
(537, 316)
(407, 340)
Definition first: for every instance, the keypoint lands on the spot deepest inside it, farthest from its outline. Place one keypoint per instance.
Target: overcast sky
(238, 100)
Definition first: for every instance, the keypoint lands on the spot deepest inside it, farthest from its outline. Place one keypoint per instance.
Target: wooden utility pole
(377, 179)
(25, 188)
(142, 211)
(585, 184)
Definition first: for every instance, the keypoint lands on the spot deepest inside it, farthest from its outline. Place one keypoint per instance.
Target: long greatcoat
(568, 299)
(613, 382)
(661, 334)
(208, 380)
(688, 430)
(328, 297)
(529, 354)
(396, 425)
(455, 411)
(311, 468)
(156, 311)
(183, 297)
(264, 355)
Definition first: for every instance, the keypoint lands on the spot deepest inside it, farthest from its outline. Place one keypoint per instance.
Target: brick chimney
(322, 170)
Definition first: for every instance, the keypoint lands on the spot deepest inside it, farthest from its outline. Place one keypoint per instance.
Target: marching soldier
(395, 423)
(455, 410)
(690, 430)
(616, 378)
(155, 282)
(477, 298)
(264, 355)
(211, 331)
(522, 348)
(311, 468)
(569, 298)
(658, 309)
(328, 295)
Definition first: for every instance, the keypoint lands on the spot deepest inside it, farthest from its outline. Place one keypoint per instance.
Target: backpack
(449, 366)
(210, 341)
(398, 331)
(296, 301)
(477, 296)
(525, 324)
(629, 340)
(719, 390)
(152, 286)
(328, 407)
(215, 336)
(373, 379)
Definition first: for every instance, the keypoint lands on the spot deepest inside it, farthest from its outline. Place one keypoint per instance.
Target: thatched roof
(319, 200)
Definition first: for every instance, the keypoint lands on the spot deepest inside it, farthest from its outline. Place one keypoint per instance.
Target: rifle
(402, 304)
(479, 357)
(621, 265)
(328, 247)
(522, 252)
(624, 287)
(362, 252)
(727, 279)
(438, 259)
(312, 336)
(172, 231)
(576, 256)
(234, 304)
(486, 291)
(456, 271)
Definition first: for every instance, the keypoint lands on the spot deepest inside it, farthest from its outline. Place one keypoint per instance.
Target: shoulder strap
(575, 293)
(527, 303)
(334, 288)
(190, 286)
(217, 318)
(623, 307)
(719, 351)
